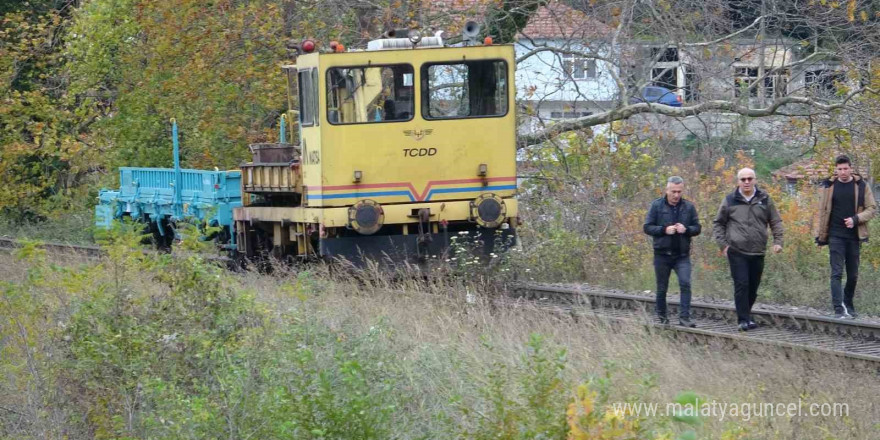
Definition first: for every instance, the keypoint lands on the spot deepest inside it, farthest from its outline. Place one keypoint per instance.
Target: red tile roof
(558, 20)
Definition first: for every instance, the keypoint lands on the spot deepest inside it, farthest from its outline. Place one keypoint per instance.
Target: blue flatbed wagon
(161, 197)
(150, 195)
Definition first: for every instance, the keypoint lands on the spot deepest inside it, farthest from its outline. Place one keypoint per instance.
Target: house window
(669, 55)
(578, 67)
(743, 79)
(775, 85)
(664, 77)
(691, 85)
(822, 82)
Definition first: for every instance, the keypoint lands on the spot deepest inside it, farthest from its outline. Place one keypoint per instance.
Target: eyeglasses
(746, 179)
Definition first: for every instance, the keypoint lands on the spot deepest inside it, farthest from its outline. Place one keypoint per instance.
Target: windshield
(464, 90)
(364, 94)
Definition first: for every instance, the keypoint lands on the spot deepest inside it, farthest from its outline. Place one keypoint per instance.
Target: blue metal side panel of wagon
(151, 194)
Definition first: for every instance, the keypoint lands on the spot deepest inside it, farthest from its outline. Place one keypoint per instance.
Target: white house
(570, 81)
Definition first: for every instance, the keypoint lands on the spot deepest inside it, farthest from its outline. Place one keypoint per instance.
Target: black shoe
(663, 320)
(744, 326)
(853, 315)
(685, 322)
(843, 315)
(752, 325)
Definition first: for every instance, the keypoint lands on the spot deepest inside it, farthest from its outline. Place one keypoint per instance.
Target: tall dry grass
(394, 358)
(448, 344)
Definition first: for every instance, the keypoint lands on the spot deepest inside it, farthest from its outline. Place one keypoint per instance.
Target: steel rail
(848, 338)
(92, 252)
(62, 248)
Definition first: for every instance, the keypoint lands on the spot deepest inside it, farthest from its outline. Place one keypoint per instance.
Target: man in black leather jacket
(672, 221)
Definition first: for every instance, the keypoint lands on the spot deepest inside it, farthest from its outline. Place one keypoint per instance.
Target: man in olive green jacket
(740, 228)
(846, 204)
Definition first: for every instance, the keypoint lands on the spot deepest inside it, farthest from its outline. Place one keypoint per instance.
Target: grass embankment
(153, 347)
(73, 228)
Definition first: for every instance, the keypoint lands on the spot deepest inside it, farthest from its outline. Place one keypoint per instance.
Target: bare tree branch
(680, 112)
(726, 37)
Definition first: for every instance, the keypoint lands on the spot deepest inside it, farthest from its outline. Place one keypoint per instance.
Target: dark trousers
(746, 271)
(844, 252)
(663, 267)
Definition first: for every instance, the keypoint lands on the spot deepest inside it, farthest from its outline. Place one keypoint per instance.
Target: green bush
(523, 401)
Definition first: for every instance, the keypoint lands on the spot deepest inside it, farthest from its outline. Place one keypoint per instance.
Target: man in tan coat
(740, 229)
(846, 204)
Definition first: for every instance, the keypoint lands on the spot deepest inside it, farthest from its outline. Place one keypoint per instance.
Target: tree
(753, 58)
(88, 86)
(43, 154)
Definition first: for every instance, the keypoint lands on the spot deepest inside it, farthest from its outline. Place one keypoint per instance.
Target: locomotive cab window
(469, 89)
(368, 94)
(290, 72)
(308, 97)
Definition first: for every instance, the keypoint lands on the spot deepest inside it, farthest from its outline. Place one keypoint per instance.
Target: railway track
(10, 244)
(851, 339)
(93, 252)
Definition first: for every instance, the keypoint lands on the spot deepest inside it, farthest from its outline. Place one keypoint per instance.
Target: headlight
(366, 217)
(488, 210)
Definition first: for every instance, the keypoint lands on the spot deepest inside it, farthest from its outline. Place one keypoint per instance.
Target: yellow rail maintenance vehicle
(398, 148)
